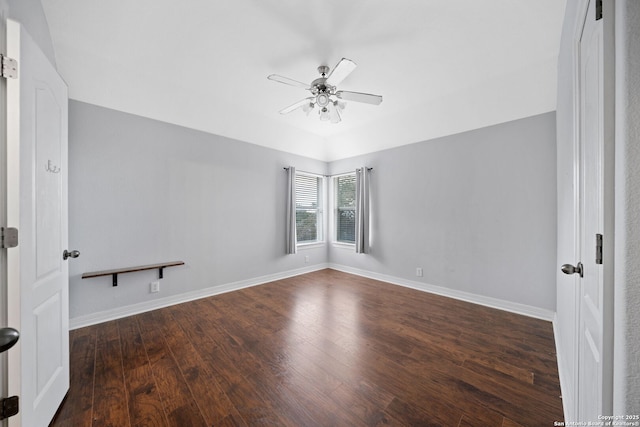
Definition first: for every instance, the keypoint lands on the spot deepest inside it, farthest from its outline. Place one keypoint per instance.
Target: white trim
(321, 209)
(4, 373)
(566, 393)
(332, 217)
(117, 313)
(513, 307)
(130, 310)
(13, 380)
(344, 245)
(353, 172)
(311, 174)
(311, 245)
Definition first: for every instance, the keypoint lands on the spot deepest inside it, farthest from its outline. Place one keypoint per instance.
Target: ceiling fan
(325, 96)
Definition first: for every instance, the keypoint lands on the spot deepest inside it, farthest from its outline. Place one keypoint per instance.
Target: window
(308, 208)
(345, 204)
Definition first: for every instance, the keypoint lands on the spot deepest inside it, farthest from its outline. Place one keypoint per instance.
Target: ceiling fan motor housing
(320, 86)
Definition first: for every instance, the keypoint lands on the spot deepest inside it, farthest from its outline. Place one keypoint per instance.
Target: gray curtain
(290, 232)
(362, 210)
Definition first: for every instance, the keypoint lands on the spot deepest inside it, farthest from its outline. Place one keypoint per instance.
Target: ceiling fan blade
(297, 105)
(287, 81)
(367, 98)
(340, 71)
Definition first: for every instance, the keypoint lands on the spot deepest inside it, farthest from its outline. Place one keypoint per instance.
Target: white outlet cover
(155, 287)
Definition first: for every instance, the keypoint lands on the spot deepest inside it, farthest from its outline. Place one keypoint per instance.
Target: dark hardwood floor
(322, 349)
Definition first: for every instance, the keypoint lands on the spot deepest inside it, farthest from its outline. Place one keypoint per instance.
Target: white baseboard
(129, 310)
(513, 307)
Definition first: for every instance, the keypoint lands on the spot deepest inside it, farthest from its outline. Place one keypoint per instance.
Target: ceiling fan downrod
(323, 70)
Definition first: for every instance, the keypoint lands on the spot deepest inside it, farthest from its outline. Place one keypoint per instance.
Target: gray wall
(476, 211)
(143, 191)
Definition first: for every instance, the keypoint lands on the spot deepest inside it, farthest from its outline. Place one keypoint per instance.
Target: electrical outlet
(306, 258)
(155, 287)
(419, 272)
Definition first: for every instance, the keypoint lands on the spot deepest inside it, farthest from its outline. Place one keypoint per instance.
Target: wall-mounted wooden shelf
(114, 273)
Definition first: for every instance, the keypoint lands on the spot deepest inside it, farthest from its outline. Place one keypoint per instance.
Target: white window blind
(308, 208)
(345, 203)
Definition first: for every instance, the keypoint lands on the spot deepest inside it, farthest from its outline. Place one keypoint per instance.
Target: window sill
(343, 245)
(303, 246)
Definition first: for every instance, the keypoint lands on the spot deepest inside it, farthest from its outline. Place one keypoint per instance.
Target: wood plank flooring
(321, 349)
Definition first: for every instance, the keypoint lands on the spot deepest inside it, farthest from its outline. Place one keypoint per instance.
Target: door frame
(12, 200)
(609, 203)
(3, 209)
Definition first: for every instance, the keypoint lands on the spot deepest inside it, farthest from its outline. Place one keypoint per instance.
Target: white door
(593, 394)
(594, 351)
(38, 278)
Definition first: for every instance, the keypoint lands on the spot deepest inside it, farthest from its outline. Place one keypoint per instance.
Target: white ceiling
(442, 66)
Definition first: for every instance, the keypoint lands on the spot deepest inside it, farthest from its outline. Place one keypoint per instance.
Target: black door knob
(570, 269)
(73, 254)
(8, 338)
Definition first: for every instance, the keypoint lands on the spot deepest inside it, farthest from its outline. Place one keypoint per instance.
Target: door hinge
(598, 248)
(9, 67)
(8, 237)
(9, 407)
(598, 10)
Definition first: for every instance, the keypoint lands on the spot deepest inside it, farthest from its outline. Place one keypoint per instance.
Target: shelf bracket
(114, 273)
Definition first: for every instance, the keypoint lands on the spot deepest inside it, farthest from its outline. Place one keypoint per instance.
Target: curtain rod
(342, 173)
(348, 172)
(311, 173)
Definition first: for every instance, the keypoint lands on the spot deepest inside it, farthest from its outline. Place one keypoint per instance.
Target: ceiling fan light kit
(325, 95)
